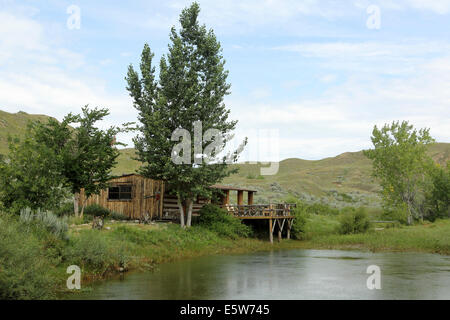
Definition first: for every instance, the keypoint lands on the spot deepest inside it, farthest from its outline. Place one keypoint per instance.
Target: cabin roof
(215, 186)
(224, 187)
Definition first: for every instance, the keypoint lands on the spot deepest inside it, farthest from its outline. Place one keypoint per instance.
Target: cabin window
(121, 192)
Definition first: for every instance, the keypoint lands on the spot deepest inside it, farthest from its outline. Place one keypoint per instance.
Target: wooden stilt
(270, 231)
(280, 228)
(288, 236)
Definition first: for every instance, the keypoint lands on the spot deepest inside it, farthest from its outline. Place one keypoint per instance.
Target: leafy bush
(46, 220)
(95, 210)
(66, 209)
(118, 216)
(322, 209)
(399, 214)
(91, 250)
(218, 220)
(438, 197)
(24, 265)
(354, 222)
(299, 224)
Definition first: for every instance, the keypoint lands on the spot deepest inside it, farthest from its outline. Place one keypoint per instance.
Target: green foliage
(252, 176)
(322, 209)
(24, 264)
(438, 197)
(399, 213)
(354, 222)
(190, 90)
(118, 216)
(299, 224)
(91, 251)
(400, 164)
(87, 154)
(46, 220)
(65, 209)
(218, 220)
(30, 175)
(96, 210)
(54, 156)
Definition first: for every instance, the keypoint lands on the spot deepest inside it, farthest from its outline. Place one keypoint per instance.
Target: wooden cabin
(134, 195)
(131, 195)
(221, 197)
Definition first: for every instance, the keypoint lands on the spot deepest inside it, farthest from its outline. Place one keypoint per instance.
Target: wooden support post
(270, 231)
(288, 236)
(279, 231)
(250, 198)
(226, 197)
(240, 197)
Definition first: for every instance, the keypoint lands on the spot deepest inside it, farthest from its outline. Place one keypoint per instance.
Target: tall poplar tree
(189, 95)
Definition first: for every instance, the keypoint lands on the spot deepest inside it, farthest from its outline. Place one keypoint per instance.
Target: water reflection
(287, 274)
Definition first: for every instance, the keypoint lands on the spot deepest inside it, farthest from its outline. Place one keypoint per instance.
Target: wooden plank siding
(171, 210)
(144, 197)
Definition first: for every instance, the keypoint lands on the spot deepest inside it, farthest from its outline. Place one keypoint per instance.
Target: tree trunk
(180, 206)
(409, 214)
(189, 213)
(76, 198)
(82, 208)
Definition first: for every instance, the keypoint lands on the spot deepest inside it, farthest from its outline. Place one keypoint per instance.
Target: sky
(309, 79)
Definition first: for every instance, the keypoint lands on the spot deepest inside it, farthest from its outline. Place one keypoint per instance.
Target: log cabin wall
(171, 211)
(147, 195)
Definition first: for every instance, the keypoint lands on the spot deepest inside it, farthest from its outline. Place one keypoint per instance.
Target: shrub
(46, 220)
(299, 224)
(218, 220)
(118, 216)
(90, 250)
(399, 214)
(66, 209)
(354, 222)
(322, 209)
(24, 265)
(95, 210)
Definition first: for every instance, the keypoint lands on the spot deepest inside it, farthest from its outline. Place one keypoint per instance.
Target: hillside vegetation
(344, 180)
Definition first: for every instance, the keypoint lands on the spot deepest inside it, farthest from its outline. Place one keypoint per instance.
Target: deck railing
(261, 210)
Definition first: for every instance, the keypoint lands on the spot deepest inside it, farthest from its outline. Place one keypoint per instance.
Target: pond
(286, 274)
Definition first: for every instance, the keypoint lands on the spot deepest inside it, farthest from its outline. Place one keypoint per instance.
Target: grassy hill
(341, 180)
(14, 124)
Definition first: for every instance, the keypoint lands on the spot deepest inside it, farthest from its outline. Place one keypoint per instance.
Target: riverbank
(34, 262)
(427, 237)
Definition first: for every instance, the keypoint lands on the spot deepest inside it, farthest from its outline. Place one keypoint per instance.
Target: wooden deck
(261, 211)
(276, 214)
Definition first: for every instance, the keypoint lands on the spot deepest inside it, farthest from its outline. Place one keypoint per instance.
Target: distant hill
(14, 124)
(341, 180)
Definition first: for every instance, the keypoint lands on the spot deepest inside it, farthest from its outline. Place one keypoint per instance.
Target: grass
(427, 237)
(33, 261)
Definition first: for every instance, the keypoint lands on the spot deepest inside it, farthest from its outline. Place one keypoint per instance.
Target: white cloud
(342, 119)
(436, 6)
(38, 77)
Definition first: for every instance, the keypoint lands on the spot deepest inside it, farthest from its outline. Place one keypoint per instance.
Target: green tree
(87, 154)
(438, 197)
(188, 95)
(30, 176)
(401, 164)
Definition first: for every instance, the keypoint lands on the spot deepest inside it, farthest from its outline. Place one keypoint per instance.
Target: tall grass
(46, 220)
(25, 265)
(432, 237)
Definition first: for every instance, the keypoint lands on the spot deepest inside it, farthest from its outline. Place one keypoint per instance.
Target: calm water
(287, 274)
